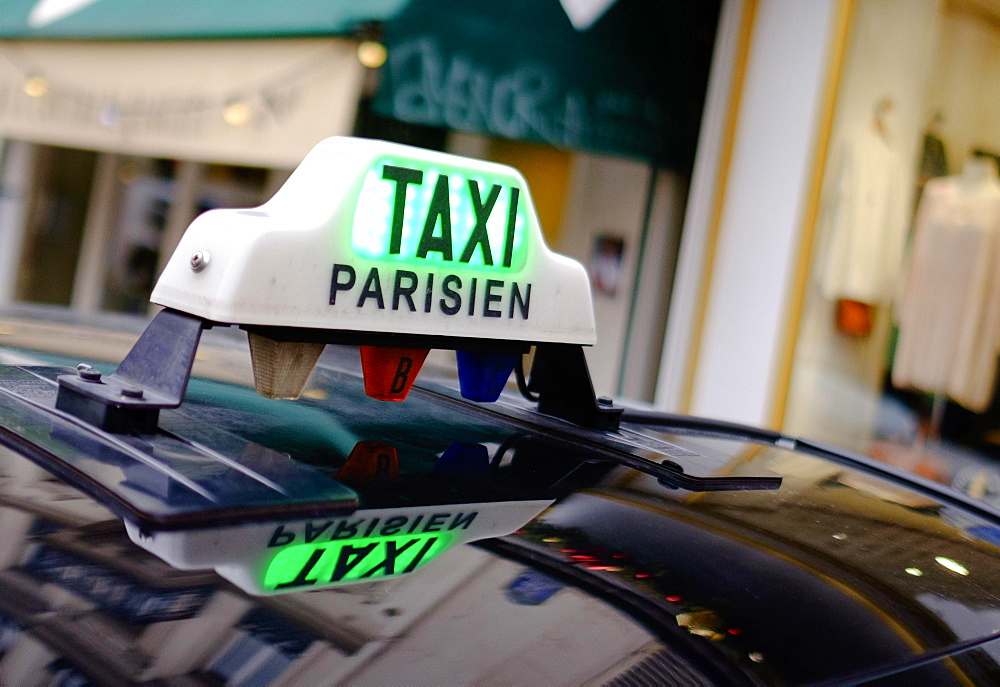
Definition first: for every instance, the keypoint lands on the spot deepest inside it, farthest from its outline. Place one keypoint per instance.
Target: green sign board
(631, 83)
(352, 560)
(421, 215)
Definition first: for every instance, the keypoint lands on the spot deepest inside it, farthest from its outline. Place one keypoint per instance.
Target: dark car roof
(616, 575)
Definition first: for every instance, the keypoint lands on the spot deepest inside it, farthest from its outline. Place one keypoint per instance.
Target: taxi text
(451, 295)
(438, 213)
(331, 530)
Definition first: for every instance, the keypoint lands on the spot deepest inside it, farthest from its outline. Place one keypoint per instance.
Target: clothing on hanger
(949, 308)
(864, 222)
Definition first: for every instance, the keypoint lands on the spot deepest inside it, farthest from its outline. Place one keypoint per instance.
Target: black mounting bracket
(560, 377)
(152, 376)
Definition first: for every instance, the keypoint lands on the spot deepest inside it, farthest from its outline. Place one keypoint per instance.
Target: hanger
(883, 107)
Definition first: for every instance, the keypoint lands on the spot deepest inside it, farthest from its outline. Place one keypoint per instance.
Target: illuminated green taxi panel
(409, 213)
(355, 560)
(307, 555)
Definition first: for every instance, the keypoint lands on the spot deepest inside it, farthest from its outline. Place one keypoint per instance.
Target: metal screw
(87, 373)
(131, 392)
(199, 260)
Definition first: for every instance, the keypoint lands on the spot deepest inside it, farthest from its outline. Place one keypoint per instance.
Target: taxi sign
(392, 248)
(373, 236)
(289, 556)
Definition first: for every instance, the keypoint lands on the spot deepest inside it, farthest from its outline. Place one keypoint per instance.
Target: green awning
(633, 82)
(188, 19)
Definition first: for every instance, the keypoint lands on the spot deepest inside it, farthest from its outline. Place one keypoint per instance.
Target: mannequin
(949, 309)
(864, 216)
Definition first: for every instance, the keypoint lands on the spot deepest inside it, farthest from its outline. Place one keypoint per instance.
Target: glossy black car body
(647, 561)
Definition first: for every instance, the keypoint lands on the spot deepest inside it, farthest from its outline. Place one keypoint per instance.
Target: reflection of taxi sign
(317, 554)
(378, 238)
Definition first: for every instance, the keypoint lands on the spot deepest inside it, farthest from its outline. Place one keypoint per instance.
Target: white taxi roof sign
(374, 236)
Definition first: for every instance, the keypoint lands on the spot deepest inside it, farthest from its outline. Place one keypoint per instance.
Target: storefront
(900, 331)
(838, 276)
(113, 147)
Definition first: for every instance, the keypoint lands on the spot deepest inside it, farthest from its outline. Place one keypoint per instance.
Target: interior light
(110, 116)
(36, 86)
(237, 113)
(954, 566)
(372, 54)
(916, 572)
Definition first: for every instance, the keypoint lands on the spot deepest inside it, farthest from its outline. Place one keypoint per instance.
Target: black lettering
(300, 579)
(479, 236)
(372, 289)
(393, 525)
(312, 533)
(337, 285)
(456, 300)
(439, 208)
(436, 522)
(416, 521)
(490, 297)
(346, 530)
(420, 555)
(349, 558)
(462, 520)
(371, 527)
(389, 563)
(402, 374)
(472, 297)
(522, 303)
(508, 242)
(429, 292)
(281, 537)
(402, 176)
(400, 291)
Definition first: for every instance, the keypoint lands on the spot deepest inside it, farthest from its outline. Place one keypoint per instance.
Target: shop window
(57, 212)
(156, 203)
(897, 349)
(145, 195)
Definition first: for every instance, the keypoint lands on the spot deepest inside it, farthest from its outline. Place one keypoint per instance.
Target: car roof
(631, 553)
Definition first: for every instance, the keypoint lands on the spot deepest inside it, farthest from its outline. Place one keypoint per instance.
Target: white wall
(686, 292)
(761, 218)
(607, 196)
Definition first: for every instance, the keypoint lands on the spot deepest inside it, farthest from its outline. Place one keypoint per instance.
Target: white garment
(864, 218)
(949, 310)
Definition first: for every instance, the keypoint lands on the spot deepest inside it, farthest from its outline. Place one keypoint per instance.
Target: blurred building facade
(729, 277)
(123, 123)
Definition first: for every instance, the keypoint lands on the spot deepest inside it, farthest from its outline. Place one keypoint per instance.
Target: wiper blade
(706, 426)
